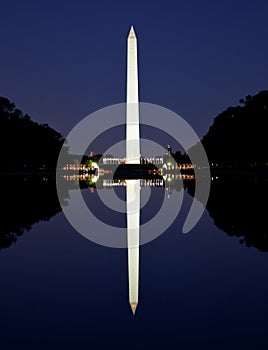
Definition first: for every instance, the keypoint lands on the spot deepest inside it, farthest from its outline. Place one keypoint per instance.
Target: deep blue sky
(61, 60)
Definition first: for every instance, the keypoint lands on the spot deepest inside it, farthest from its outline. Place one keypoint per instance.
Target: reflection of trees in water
(236, 206)
(26, 200)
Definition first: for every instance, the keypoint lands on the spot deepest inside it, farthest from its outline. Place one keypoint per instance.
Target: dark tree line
(25, 144)
(238, 135)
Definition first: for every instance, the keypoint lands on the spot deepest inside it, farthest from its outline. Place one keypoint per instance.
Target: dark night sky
(61, 60)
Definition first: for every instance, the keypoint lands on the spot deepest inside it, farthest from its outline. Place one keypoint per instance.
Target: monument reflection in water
(133, 237)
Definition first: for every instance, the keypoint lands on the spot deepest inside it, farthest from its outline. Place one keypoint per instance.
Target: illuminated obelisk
(133, 157)
(132, 131)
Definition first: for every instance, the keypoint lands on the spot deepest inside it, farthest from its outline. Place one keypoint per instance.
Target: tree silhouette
(238, 135)
(25, 144)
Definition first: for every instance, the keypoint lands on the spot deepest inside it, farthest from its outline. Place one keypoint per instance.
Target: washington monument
(133, 157)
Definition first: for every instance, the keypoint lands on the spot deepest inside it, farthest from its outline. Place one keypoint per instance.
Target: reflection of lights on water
(94, 165)
(107, 183)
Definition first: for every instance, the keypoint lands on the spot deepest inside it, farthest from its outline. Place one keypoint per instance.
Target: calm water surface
(204, 289)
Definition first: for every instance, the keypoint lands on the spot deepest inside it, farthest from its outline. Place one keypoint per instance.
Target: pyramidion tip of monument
(133, 307)
(132, 34)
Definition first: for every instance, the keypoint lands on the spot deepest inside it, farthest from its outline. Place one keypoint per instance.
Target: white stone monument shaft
(132, 129)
